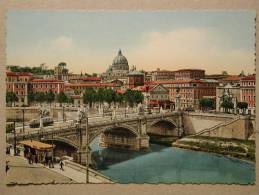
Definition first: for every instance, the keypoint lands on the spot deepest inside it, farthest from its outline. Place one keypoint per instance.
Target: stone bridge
(137, 126)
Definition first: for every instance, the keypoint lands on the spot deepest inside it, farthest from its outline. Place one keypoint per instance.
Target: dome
(120, 62)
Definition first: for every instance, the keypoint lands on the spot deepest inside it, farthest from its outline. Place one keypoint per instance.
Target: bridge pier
(81, 157)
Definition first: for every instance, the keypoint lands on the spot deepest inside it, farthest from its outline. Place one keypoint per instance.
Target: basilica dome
(120, 62)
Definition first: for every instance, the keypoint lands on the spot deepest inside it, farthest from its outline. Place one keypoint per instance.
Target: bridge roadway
(69, 127)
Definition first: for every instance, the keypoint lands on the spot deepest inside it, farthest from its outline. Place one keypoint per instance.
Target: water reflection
(162, 164)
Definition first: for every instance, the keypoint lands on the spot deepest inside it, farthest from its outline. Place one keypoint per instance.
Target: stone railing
(92, 172)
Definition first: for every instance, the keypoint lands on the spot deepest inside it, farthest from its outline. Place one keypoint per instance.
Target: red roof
(251, 77)
(144, 88)
(233, 78)
(19, 74)
(91, 79)
(182, 70)
(90, 84)
(173, 82)
(120, 91)
(47, 81)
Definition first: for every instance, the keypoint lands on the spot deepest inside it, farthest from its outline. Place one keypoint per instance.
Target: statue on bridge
(43, 113)
(81, 114)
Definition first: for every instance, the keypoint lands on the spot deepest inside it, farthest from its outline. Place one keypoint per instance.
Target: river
(161, 164)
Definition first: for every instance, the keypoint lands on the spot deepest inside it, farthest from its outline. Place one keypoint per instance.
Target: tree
(30, 97)
(89, 96)
(242, 73)
(62, 98)
(62, 64)
(243, 106)
(40, 97)
(227, 104)
(50, 97)
(132, 97)
(11, 97)
(94, 74)
(224, 72)
(207, 103)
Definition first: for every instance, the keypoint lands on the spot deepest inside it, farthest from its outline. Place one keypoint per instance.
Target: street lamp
(148, 103)
(63, 114)
(14, 138)
(87, 146)
(125, 111)
(23, 120)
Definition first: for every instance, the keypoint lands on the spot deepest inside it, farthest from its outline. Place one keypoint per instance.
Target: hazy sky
(88, 41)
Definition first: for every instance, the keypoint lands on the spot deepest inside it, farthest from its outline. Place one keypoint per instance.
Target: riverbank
(242, 149)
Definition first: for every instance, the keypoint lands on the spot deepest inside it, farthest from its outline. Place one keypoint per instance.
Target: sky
(89, 40)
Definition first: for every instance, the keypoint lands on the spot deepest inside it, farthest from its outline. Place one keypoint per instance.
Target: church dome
(120, 62)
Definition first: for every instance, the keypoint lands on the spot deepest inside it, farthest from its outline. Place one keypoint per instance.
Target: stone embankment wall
(15, 113)
(225, 126)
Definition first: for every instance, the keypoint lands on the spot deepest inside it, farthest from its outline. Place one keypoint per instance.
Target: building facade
(185, 74)
(18, 83)
(189, 91)
(46, 85)
(247, 92)
(160, 75)
(136, 78)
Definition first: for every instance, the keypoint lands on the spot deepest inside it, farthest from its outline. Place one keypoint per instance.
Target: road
(21, 172)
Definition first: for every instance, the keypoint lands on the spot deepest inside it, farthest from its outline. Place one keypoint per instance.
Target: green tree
(40, 97)
(207, 103)
(224, 72)
(11, 97)
(242, 73)
(50, 97)
(62, 64)
(94, 74)
(243, 106)
(89, 96)
(227, 104)
(62, 98)
(132, 97)
(30, 97)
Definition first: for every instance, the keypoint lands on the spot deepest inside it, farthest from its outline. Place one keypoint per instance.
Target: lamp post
(148, 102)
(87, 147)
(14, 138)
(125, 111)
(23, 120)
(63, 114)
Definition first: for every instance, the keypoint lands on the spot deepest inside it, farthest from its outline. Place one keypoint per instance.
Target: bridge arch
(63, 140)
(110, 128)
(165, 120)
(163, 126)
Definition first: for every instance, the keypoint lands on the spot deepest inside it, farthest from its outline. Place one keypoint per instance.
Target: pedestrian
(7, 167)
(61, 165)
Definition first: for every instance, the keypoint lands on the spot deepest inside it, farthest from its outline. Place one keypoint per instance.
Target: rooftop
(248, 78)
(47, 81)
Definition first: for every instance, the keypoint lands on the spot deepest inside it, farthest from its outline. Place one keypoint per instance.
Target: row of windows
(249, 98)
(248, 90)
(48, 86)
(248, 83)
(159, 96)
(15, 79)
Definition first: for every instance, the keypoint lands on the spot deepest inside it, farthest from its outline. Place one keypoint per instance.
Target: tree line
(90, 96)
(33, 70)
(226, 104)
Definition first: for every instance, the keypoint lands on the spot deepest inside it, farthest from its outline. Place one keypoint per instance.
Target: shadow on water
(102, 158)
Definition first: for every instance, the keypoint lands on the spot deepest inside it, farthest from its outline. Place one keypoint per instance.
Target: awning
(36, 144)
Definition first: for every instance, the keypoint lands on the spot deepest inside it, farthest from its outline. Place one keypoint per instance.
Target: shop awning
(36, 144)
